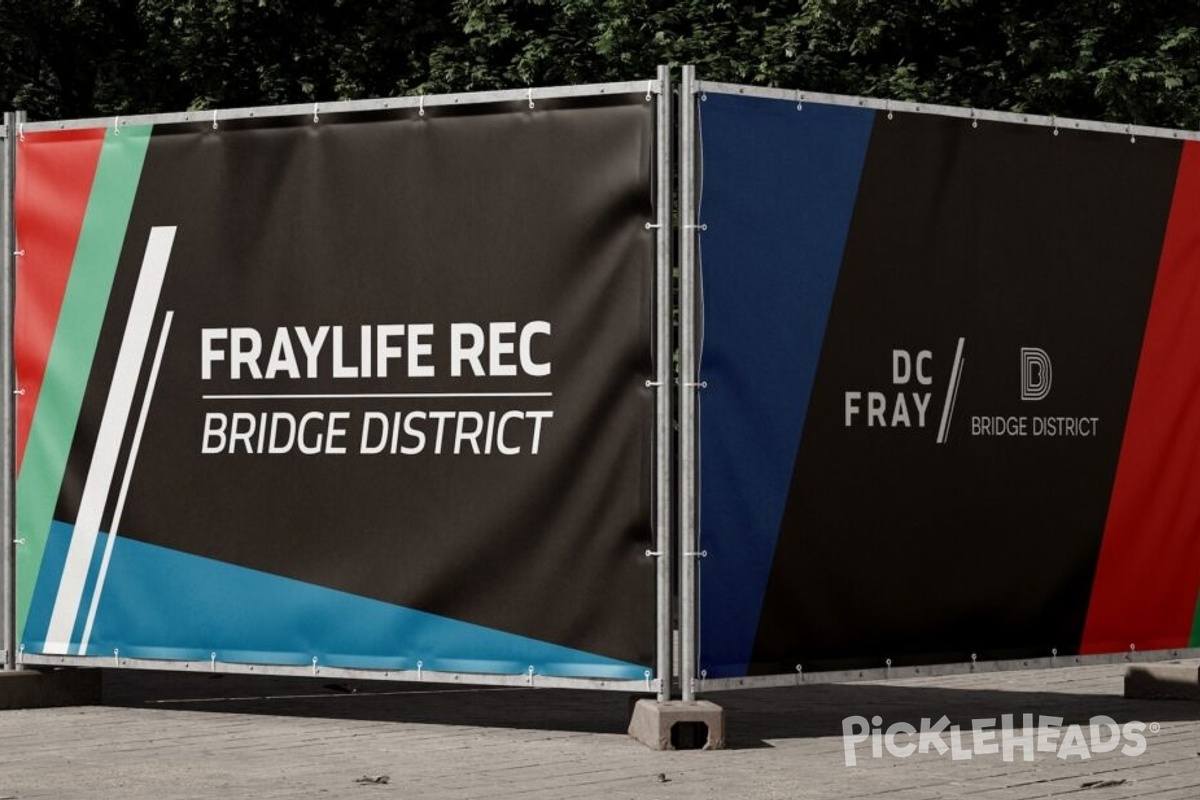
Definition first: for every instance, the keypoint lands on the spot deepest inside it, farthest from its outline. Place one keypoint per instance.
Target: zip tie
(888, 107)
(974, 119)
(1132, 138)
(651, 384)
(19, 253)
(698, 554)
(649, 687)
(702, 226)
(19, 542)
(653, 553)
(117, 125)
(316, 115)
(21, 654)
(529, 679)
(314, 665)
(214, 119)
(649, 90)
(213, 661)
(421, 106)
(21, 131)
(19, 392)
(701, 384)
(652, 225)
(799, 100)
(420, 667)
(529, 94)
(1054, 122)
(116, 657)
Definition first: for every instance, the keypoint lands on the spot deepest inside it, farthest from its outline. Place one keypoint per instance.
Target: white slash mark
(951, 393)
(113, 423)
(133, 451)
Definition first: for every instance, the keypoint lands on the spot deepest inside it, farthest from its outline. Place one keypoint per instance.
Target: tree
(1103, 59)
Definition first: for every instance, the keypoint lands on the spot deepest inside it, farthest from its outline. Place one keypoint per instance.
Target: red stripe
(1148, 575)
(54, 179)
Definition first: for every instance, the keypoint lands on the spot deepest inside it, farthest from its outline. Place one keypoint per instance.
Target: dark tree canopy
(1115, 60)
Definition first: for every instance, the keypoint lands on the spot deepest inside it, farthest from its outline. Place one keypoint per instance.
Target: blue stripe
(163, 604)
(49, 576)
(779, 187)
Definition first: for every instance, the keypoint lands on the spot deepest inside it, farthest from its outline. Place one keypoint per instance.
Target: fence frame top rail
(532, 95)
(959, 112)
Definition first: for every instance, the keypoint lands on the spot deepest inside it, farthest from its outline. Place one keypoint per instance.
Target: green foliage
(1101, 59)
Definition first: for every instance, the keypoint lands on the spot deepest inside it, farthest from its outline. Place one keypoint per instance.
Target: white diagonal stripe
(113, 423)
(951, 393)
(133, 451)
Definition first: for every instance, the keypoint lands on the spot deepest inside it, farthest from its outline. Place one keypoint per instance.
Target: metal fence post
(663, 365)
(688, 385)
(8, 564)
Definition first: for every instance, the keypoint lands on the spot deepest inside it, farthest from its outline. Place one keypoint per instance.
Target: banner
(951, 400)
(368, 390)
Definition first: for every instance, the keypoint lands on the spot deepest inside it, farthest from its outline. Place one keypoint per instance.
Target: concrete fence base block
(28, 688)
(676, 725)
(1166, 681)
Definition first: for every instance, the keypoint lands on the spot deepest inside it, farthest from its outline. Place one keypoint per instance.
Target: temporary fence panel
(359, 387)
(947, 386)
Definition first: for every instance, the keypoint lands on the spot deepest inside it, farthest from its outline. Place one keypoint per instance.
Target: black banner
(403, 369)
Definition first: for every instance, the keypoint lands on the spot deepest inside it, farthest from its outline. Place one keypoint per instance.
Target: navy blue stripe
(779, 187)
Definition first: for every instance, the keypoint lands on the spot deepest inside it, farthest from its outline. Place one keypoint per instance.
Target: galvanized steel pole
(662, 361)
(687, 385)
(8, 564)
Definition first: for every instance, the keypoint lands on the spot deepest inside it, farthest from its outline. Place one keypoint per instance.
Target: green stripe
(74, 346)
(1195, 640)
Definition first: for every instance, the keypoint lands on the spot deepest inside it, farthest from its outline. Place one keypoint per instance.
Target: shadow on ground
(754, 718)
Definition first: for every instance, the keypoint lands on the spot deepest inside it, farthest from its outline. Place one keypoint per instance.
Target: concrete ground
(196, 736)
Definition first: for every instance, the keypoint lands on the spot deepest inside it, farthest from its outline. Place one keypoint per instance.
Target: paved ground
(189, 736)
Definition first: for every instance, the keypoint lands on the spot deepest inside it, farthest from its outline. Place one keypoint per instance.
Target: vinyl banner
(366, 390)
(952, 402)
